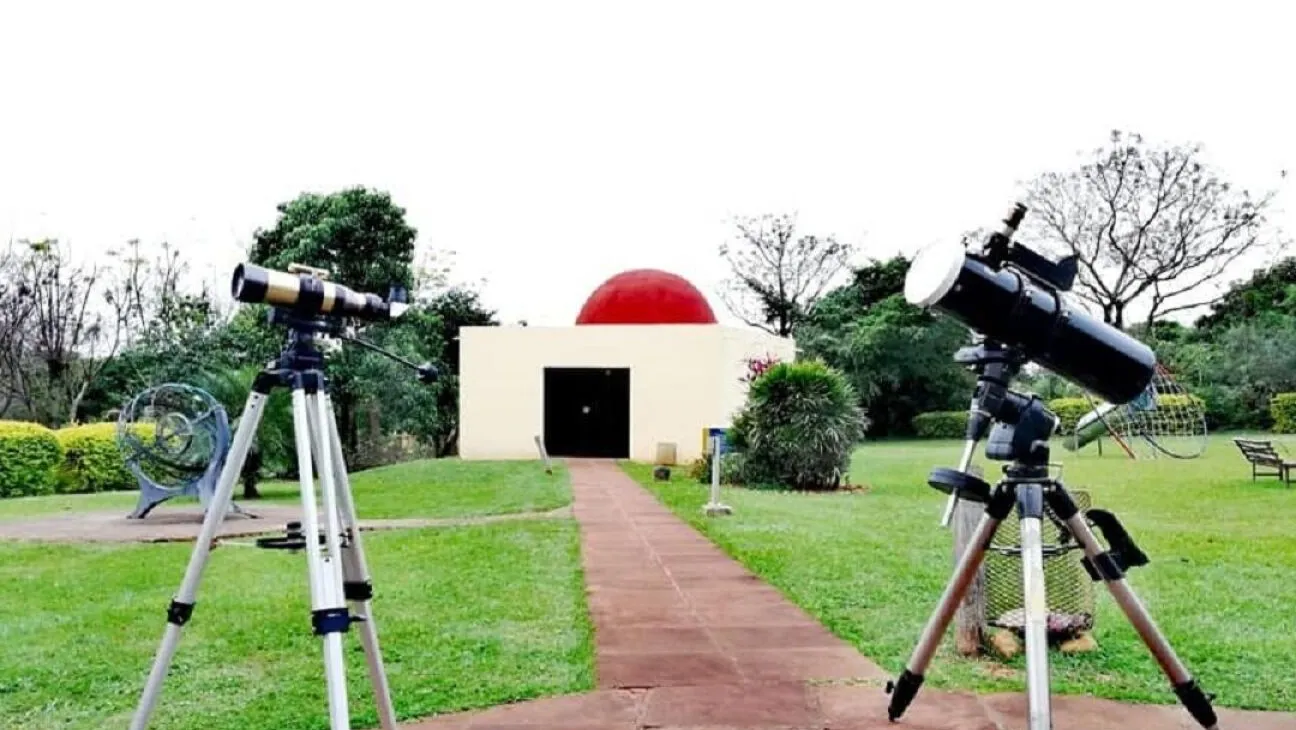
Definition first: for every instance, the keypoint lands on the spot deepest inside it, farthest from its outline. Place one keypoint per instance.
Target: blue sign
(721, 433)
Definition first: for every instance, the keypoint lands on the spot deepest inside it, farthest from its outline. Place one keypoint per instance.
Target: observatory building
(646, 364)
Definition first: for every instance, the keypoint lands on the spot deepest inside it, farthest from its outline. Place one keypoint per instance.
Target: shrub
(941, 424)
(1070, 411)
(800, 424)
(1180, 400)
(92, 460)
(1283, 409)
(731, 466)
(29, 454)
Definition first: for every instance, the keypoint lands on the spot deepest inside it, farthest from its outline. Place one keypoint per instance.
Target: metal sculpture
(175, 438)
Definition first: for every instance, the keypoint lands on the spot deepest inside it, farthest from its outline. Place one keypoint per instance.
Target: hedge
(29, 454)
(1282, 407)
(1069, 411)
(93, 462)
(941, 425)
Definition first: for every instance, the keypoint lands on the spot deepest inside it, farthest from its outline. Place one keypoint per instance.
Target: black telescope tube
(1006, 306)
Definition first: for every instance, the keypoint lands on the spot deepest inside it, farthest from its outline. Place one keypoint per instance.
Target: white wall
(683, 378)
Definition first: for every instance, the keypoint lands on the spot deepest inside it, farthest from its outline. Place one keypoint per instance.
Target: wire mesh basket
(1068, 586)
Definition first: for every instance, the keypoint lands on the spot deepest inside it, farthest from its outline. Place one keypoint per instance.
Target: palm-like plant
(273, 450)
(799, 426)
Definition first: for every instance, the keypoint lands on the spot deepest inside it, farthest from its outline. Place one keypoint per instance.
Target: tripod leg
(357, 583)
(1197, 702)
(906, 686)
(1030, 507)
(182, 605)
(328, 614)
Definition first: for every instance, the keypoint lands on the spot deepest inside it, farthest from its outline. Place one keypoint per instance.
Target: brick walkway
(688, 638)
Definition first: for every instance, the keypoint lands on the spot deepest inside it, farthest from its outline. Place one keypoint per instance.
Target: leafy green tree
(897, 358)
(361, 237)
(458, 307)
(1269, 291)
(454, 308)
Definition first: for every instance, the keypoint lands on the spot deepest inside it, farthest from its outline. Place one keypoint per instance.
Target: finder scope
(306, 292)
(1013, 295)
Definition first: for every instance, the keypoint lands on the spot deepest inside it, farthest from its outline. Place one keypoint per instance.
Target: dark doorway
(587, 412)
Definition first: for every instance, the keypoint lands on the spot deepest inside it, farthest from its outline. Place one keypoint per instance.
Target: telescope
(306, 292)
(1013, 295)
(303, 300)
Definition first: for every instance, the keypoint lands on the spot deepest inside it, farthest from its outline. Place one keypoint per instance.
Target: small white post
(544, 454)
(714, 508)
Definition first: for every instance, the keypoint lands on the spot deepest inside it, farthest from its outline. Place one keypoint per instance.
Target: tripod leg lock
(179, 613)
(330, 621)
(1197, 702)
(355, 590)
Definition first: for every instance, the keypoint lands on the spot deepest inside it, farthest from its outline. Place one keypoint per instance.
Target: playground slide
(1089, 427)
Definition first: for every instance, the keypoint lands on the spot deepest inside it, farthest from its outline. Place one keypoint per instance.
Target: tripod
(337, 573)
(1022, 426)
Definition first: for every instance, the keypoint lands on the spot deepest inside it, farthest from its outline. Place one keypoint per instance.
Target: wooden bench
(1262, 455)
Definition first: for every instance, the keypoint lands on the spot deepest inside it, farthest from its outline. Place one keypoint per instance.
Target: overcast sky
(552, 144)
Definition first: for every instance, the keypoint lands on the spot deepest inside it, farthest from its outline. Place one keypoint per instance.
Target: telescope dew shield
(1009, 307)
(304, 294)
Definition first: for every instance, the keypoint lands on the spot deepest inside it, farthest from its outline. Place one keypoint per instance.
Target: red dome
(646, 296)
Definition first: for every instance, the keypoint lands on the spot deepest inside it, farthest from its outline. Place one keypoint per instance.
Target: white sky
(552, 144)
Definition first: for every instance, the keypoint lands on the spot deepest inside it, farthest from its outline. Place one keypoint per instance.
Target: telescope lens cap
(933, 273)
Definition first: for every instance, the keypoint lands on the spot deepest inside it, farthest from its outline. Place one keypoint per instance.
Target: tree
(168, 333)
(360, 236)
(1152, 225)
(777, 276)
(66, 321)
(1268, 291)
(898, 358)
(455, 308)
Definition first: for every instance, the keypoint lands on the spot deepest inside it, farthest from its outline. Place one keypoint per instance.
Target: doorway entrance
(587, 412)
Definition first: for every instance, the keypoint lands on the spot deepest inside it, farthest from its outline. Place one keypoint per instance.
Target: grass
(872, 565)
(469, 616)
(411, 489)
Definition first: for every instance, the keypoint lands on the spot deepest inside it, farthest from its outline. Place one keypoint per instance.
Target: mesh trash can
(1069, 589)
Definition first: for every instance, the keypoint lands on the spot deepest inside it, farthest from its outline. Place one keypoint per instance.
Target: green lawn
(411, 489)
(469, 616)
(872, 565)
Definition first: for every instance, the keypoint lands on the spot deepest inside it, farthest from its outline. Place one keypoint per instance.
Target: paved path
(182, 523)
(688, 638)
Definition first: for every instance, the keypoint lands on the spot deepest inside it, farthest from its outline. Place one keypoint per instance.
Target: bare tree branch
(777, 276)
(1148, 225)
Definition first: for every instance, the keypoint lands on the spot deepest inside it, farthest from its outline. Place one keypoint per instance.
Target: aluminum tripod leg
(1190, 694)
(182, 605)
(328, 612)
(1030, 506)
(903, 689)
(357, 582)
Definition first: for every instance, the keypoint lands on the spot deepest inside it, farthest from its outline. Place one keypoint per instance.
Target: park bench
(1262, 455)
